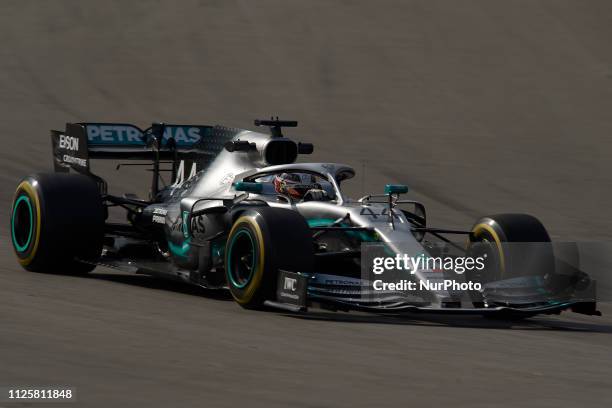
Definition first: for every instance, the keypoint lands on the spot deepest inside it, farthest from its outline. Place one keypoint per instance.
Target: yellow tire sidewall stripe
(27, 187)
(478, 228)
(258, 276)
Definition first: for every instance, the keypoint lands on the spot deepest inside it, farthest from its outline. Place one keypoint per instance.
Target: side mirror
(396, 189)
(248, 187)
(419, 217)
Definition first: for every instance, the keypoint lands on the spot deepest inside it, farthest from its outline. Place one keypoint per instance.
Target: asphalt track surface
(480, 106)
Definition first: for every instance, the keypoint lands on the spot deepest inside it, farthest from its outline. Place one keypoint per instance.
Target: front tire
(57, 219)
(528, 258)
(511, 245)
(261, 242)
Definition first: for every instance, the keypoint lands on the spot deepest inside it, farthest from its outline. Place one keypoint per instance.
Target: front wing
(296, 294)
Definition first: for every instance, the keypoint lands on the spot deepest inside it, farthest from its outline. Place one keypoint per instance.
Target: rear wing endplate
(193, 146)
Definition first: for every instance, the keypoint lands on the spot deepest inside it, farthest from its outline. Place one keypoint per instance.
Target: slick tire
(261, 242)
(515, 260)
(57, 219)
(491, 235)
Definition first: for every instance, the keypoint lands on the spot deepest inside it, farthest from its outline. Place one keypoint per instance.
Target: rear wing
(182, 146)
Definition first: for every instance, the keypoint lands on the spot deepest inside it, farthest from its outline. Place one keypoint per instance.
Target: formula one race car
(241, 214)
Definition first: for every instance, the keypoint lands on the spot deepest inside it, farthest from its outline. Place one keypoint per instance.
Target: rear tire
(56, 218)
(261, 242)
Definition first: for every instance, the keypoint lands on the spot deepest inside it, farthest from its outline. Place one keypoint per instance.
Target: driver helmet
(295, 185)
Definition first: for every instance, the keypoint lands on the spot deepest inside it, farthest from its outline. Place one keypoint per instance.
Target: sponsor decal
(114, 134)
(291, 288)
(74, 160)
(177, 224)
(226, 179)
(197, 226)
(180, 173)
(340, 282)
(185, 224)
(109, 134)
(325, 279)
(290, 296)
(184, 135)
(158, 219)
(68, 143)
(159, 215)
(290, 284)
(70, 149)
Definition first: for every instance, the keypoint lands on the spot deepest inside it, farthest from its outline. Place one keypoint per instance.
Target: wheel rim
(22, 223)
(242, 258)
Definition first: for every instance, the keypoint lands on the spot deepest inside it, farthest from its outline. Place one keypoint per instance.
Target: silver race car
(241, 214)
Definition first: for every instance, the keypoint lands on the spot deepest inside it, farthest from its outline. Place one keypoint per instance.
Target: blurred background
(480, 106)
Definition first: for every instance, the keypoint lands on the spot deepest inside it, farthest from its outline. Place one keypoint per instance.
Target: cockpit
(299, 183)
